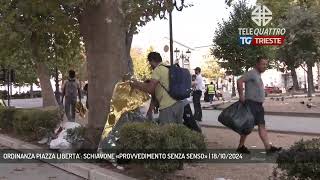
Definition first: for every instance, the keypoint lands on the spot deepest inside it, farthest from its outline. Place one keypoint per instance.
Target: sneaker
(273, 149)
(243, 150)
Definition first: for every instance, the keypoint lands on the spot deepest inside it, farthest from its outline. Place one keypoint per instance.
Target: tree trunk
(129, 38)
(31, 91)
(294, 79)
(233, 94)
(310, 79)
(103, 29)
(318, 65)
(47, 93)
(286, 81)
(48, 98)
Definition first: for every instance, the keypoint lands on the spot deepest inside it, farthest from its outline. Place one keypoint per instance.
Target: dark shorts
(257, 111)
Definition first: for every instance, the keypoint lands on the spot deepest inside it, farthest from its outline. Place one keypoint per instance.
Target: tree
(279, 9)
(233, 57)
(142, 69)
(284, 15)
(106, 28)
(211, 69)
(302, 26)
(318, 70)
(39, 33)
(284, 55)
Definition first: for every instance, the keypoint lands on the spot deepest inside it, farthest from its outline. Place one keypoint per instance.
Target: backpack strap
(165, 66)
(162, 84)
(164, 87)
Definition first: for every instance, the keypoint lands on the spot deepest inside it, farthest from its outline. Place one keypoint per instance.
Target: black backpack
(179, 82)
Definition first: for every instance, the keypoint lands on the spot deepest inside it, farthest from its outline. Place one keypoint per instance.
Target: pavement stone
(307, 125)
(83, 170)
(227, 139)
(34, 171)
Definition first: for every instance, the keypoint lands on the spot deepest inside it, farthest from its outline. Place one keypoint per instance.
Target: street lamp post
(171, 38)
(178, 8)
(183, 57)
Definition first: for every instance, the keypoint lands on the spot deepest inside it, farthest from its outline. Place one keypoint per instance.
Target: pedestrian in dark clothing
(197, 93)
(70, 91)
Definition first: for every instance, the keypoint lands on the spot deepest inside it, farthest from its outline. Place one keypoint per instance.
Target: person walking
(70, 91)
(197, 93)
(254, 97)
(211, 91)
(170, 110)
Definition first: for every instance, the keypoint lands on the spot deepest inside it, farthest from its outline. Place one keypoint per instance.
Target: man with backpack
(71, 90)
(165, 89)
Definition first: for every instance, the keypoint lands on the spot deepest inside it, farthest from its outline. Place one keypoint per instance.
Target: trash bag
(238, 117)
(189, 120)
(62, 143)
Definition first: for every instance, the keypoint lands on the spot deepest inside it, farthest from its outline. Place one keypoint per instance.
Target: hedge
(32, 124)
(300, 161)
(149, 137)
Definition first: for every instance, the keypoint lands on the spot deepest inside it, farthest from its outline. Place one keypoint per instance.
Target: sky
(194, 26)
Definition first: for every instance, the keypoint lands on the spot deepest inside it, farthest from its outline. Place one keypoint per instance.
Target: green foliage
(211, 69)
(37, 31)
(234, 57)
(139, 12)
(141, 67)
(303, 37)
(154, 138)
(48, 31)
(279, 8)
(32, 124)
(301, 20)
(300, 161)
(6, 117)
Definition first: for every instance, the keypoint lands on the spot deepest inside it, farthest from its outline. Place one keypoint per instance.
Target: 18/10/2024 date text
(225, 156)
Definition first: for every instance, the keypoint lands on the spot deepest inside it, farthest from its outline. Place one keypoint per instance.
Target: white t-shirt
(199, 82)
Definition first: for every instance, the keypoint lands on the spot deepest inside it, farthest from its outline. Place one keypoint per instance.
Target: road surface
(210, 117)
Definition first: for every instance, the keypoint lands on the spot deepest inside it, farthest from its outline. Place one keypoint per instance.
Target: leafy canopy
(232, 56)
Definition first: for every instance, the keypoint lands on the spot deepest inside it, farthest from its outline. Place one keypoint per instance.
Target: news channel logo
(245, 40)
(261, 36)
(261, 15)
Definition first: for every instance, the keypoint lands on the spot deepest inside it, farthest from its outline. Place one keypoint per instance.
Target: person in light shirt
(254, 97)
(197, 93)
